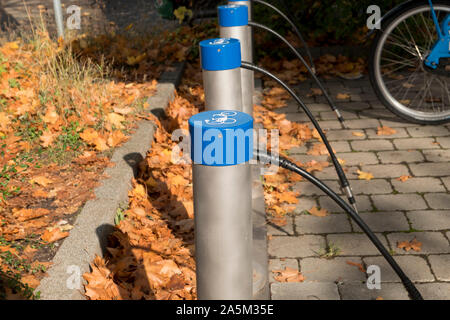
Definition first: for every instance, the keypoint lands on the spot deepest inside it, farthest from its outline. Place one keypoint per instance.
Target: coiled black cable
(285, 163)
(345, 185)
(299, 56)
(294, 26)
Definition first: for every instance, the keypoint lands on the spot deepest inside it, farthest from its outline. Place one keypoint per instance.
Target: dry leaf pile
(59, 117)
(151, 251)
(327, 66)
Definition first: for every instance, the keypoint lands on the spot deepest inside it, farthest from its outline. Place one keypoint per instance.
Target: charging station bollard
(233, 22)
(221, 147)
(221, 61)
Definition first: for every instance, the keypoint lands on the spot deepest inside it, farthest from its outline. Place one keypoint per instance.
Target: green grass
(329, 252)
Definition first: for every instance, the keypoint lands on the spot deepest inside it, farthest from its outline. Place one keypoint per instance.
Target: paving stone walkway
(97, 16)
(396, 211)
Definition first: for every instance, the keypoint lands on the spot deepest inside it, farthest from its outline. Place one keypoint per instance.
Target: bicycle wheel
(398, 75)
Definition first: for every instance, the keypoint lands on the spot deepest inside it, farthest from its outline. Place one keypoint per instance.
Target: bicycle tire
(373, 61)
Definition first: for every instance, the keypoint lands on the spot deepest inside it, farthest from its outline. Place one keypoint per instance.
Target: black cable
(285, 163)
(340, 172)
(327, 97)
(294, 26)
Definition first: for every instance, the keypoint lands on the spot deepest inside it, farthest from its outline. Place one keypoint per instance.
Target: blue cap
(233, 15)
(221, 137)
(220, 54)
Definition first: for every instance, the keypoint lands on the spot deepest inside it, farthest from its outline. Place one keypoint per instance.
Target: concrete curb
(260, 254)
(96, 220)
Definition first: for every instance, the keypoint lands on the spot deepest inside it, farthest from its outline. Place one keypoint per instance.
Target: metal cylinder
(58, 18)
(243, 3)
(233, 22)
(222, 203)
(221, 61)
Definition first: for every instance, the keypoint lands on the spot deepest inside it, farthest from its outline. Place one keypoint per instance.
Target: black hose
(340, 172)
(327, 97)
(293, 25)
(285, 163)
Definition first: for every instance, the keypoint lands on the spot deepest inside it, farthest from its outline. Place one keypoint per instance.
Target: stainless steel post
(221, 147)
(249, 5)
(59, 18)
(221, 61)
(243, 3)
(233, 22)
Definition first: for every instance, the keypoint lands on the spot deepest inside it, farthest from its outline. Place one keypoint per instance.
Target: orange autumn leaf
(115, 138)
(92, 137)
(357, 134)
(364, 175)
(54, 234)
(30, 280)
(358, 265)
(47, 138)
(288, 197)
(116, 119)
(50, 116)
(408, 245)
(342, 96)
(318, 212)
(314, 165)
(89, 135)
(318, 149)
(279, 221)
(403, 178)
(385, 131)
(41, 180)
(288, 275)
(314, 92)
(39, 193)
(100, 284)
(28, 214)
(4, 121)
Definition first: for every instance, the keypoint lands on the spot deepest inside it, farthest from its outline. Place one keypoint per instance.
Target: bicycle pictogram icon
(223, 117)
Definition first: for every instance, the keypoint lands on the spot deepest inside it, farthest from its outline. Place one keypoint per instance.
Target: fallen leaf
(54, 234)
(41, 180)
(47, 138)
(364, 175)
(29, 214)
(385, 131)
(30, 280)
(318, 149)
(279, 221)
(358, 265)
(403, 178)
(343, 96)
(116, 120)
(318, 212)
(315, 92)
(288, 275)
(358, 134)
(408, 245)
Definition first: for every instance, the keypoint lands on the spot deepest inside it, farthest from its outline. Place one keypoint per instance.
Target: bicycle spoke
(409, 86)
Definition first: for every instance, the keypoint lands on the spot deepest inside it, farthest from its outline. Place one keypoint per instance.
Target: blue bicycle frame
(441, 48)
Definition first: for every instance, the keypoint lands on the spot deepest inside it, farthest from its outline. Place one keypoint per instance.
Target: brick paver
(441, 266)
(396, 210)
(430, 220)
(415, 267)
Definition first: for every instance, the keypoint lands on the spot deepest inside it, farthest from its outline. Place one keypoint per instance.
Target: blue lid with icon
(221, 137)
(233, 15)
(220, 54)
